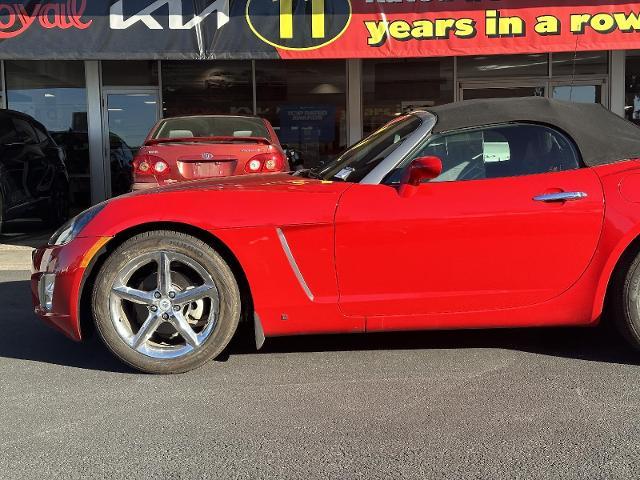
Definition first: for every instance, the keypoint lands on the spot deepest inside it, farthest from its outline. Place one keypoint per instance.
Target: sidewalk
(15, 249)
(13, 257)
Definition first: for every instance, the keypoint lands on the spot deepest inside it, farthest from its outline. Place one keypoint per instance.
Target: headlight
(73, 227)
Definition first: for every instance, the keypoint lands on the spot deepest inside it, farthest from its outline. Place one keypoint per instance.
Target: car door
(512, 221)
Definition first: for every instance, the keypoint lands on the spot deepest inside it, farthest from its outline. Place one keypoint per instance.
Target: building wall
(319, 107)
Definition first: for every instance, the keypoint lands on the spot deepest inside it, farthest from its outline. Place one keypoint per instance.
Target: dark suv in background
(33, 177)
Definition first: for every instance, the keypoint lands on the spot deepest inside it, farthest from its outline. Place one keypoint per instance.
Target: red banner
(242, 29)
(414, 28)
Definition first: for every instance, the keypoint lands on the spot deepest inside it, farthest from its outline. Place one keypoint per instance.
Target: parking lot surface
(489, 404)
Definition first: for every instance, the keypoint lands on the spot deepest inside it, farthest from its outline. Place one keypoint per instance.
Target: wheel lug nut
(165, 316)
(154, 308)
(157, 295)
(176, 308)
(172, 294)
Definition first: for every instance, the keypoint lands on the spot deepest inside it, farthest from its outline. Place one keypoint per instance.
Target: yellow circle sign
(298, 24)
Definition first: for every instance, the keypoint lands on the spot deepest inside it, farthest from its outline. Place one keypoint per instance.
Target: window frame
(394, 175)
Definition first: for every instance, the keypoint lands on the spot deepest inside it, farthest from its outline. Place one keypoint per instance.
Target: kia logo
(207, 156)
(118, 20)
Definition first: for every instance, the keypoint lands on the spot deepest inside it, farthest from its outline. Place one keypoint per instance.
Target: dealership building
(98, 74)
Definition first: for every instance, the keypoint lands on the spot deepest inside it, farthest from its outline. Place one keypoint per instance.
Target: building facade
(99, 75)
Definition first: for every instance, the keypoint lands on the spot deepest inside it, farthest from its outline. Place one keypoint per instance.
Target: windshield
(211, 126)
(356, 162)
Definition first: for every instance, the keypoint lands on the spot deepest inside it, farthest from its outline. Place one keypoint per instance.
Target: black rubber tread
(230, 303)
(1, 212)
(625, 296)
(54, 216)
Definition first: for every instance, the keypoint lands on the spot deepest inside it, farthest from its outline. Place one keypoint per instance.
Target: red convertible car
(206, 146)
(479, 214)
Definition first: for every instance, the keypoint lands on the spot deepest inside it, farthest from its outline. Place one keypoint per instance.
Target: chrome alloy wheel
(164, 304)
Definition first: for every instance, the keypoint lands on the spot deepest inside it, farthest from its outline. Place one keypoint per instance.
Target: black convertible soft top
(601, 136)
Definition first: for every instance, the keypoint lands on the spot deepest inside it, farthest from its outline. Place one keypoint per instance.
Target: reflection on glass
(131, 73)
(1, 86)
(502, 92)
(53, 92)
(632, 86)
(580, 63)
(204, 87)
(423, 83)
(504, 66)
(578, 93)
(131, 117)
(305, 101)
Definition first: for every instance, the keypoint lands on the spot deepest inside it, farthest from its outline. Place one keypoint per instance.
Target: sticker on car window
(344, 173)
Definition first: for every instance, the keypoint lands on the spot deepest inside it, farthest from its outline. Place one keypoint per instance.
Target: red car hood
(242, 201)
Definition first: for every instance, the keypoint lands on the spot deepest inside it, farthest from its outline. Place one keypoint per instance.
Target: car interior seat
(180, 134)
(243, 133)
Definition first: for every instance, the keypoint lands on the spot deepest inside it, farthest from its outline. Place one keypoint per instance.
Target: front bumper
(57, 276)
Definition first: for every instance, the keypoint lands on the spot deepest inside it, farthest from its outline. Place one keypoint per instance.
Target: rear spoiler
(221, 139)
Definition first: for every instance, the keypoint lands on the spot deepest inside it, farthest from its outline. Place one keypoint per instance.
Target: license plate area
(193, 169)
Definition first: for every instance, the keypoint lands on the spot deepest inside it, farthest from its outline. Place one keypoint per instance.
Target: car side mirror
(419, 170)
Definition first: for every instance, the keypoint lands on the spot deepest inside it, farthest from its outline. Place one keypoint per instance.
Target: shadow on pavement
(25, 234)
(25, 337)
(599, 344)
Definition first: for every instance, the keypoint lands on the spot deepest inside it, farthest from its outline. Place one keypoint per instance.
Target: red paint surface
(353, 42)
(471, 254)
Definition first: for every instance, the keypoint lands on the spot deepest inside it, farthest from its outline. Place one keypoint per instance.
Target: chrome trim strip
(560, 197)
(293, 264)
(376, 175)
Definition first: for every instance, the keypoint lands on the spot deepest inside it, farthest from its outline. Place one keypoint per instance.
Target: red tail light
(150, 165)
(265, 162)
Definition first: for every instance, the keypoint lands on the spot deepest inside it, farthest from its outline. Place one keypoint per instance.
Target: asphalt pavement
(546, 404)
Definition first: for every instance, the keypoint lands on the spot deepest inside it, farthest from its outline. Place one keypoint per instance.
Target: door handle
(560, 197)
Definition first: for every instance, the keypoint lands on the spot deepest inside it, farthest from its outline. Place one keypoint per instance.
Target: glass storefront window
(1, 85)
(306, 103)
(207, 87)
(391, 87)
(470, 93)
(578, 93)
(586, 63)
(133, 73)
(54, 93)
(632, 86)
(505, 66)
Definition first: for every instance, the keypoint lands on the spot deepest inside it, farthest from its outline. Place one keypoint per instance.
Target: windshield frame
(380, 171)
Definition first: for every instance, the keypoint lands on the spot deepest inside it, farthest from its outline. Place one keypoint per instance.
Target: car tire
(117, 326)
(626, 302)
(1, 213)
(58, 211)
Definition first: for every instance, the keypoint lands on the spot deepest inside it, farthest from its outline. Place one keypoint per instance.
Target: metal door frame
(546, 82)
(106, 144)
(488, 83)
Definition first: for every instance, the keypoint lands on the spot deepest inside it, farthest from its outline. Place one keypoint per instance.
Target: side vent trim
(293, 264)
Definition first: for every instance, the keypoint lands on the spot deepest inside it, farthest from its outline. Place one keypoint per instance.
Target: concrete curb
(15, 258)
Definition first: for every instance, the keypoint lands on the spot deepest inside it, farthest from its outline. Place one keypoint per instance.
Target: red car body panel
(194, 158)
(68, 264)
(535, 264)
(465, 246)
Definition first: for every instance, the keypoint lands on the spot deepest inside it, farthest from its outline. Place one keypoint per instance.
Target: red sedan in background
(195, 147)
(480, 214)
